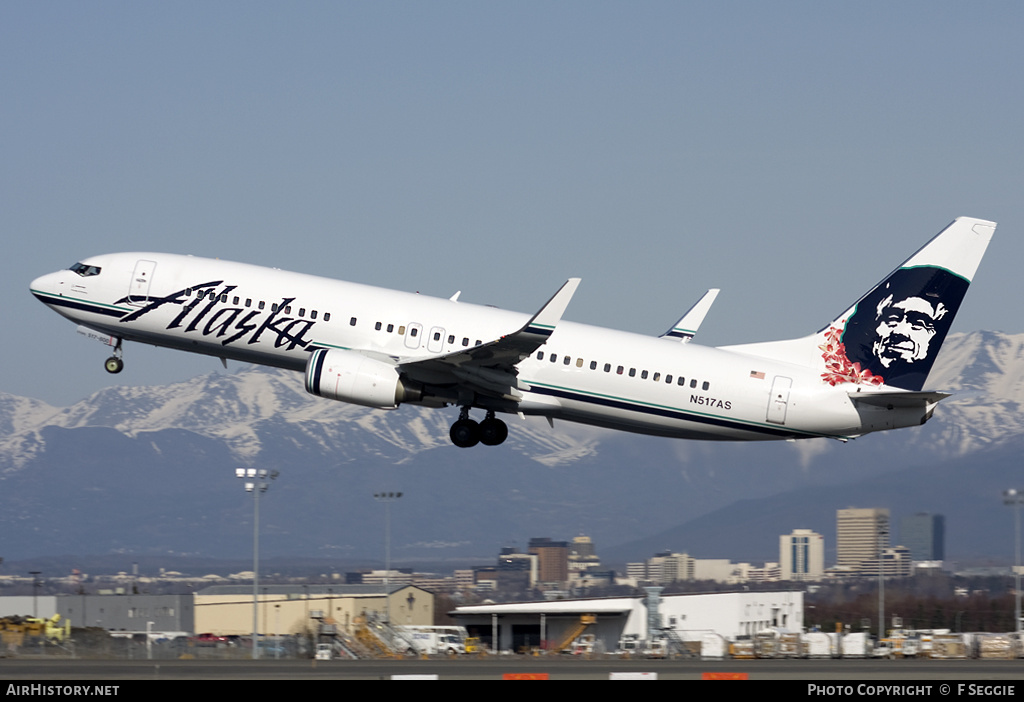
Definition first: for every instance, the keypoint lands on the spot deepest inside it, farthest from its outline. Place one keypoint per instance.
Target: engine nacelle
(352, 377)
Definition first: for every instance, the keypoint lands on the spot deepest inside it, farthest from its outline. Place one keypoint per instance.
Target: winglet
(543, 323)
(687, 326)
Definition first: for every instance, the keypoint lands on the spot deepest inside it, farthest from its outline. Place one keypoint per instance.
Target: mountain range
(149, 471)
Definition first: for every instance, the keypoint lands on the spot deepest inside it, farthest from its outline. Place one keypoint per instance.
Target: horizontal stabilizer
(892, 400)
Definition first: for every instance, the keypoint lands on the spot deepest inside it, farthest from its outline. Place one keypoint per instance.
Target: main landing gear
(114, 364)
(465, 432)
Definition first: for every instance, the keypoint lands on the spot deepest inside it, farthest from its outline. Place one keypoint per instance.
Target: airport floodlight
(257, 480)
(387, 498)
(35, 592)
(1014, 498)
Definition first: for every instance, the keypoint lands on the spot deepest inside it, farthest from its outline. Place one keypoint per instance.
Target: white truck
(431, 640)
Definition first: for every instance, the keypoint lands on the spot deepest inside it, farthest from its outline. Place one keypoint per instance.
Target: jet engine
(352, 377)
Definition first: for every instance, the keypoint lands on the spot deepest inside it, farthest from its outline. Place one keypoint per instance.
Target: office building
(861, 534)
(924, 535)
(801, 555)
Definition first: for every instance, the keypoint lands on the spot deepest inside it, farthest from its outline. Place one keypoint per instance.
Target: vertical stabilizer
(892, 334)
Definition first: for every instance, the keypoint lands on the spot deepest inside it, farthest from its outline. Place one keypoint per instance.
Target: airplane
(865, 371)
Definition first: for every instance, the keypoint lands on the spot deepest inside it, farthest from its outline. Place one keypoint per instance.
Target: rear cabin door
(778, 401)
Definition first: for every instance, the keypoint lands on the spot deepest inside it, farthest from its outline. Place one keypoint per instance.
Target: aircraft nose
(49, 284)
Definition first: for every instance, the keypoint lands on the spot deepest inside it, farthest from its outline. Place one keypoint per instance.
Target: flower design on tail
(838, 368)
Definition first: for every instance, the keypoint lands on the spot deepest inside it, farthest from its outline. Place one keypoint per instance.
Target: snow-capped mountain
(239, 410)
(150, 469)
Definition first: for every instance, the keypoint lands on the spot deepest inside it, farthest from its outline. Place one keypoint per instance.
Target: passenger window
(693, 383)
(681, 382)
(643, 375)
(540, 355)
(437, 336)
(273, 307)
(234, 300)
(377, 326)
(478, 342)
(248, 302)
(302, 311)
(451, 338)
(352, 322)
(632, 372)
(607, 367)
(566, 361)
(706, 385)
(656, 377)
(668, 379)
(401, 330)
(413, 332)
(579, 362)
(391, 328)
(465, 341)
(288, 309)
(224, 297)
(312, 314)
(327, 317)
(619, 370)
(593, 365)
(262, 304)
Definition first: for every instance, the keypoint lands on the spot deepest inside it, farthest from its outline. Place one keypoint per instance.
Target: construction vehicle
(15, 630)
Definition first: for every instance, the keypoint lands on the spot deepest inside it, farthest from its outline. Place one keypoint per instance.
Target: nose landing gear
(466, 433)
(114, 364)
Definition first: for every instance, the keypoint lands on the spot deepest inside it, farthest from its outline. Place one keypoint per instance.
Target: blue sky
(790, 153)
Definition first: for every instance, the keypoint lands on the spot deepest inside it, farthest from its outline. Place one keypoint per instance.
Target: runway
(922, 671)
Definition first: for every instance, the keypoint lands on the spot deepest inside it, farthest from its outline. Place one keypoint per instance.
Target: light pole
(35, 592)
(387, 498)
(1014, 498)
(256, 481)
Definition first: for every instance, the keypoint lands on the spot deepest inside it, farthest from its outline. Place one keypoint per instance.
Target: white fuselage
(582, 373)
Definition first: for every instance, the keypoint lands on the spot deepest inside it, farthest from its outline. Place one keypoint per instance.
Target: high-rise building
(582, 555)
(925, 535)
(552, 559)
(861, 535)
(802, 555)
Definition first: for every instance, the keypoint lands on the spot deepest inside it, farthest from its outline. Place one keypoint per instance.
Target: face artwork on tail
(894, 332)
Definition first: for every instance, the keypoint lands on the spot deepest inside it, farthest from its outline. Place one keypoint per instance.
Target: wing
(490, 368)
(687, 326)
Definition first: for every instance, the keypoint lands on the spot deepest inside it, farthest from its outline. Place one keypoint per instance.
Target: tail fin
(892, 334)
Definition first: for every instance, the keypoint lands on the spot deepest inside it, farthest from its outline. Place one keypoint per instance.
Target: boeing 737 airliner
(865, 371)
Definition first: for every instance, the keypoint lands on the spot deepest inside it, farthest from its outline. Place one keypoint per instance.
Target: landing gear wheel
(493, 431)
(113, 364)
(465, 433)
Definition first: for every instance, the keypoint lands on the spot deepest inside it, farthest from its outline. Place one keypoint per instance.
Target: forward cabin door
(142, 277)
(778, 401)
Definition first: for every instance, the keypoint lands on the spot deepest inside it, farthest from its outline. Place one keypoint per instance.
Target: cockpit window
(85, 270)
